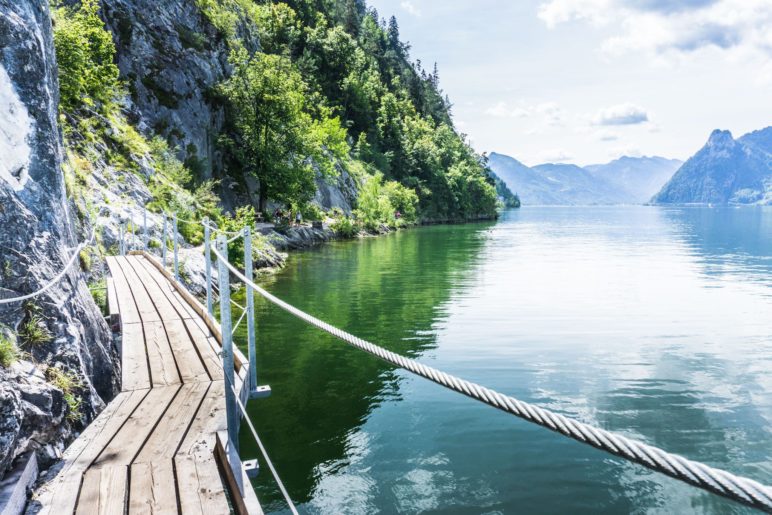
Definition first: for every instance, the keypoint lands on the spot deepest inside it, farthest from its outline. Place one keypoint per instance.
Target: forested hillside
(310, 91)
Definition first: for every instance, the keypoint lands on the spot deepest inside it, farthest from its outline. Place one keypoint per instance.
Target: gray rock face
(37, 239)
(172, 57)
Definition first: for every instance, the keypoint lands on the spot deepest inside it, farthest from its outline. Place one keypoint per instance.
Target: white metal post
(251, 336)
(144, 226)
(208, 262)
(176, 259)
(163, 244)
(231, 408)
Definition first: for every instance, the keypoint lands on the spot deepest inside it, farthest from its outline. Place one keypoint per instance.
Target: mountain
(638, 178)
(526, 183)
(724, 171)
(578, 186)
(627, 180)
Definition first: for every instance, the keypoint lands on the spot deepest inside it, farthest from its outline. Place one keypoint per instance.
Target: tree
(268, 107)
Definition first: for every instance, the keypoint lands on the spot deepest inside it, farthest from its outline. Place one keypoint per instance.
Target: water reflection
(647, 321)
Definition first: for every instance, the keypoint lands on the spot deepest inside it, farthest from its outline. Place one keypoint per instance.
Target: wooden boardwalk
(159, 446)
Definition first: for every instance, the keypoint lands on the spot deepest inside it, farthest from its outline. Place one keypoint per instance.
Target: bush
(9, 354)
(345, 227)
(98, 291)
(84, 55)
(68, 383)
(378, 204)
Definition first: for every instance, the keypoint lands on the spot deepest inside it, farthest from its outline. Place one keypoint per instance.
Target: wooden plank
(112, 306)
(170, 432)
(208, 355)
(189, 362)
(127, 442)
(126, 304)
(203, 486)
(104, 491)
(165, 308)
(182, 308)
(163, 368)
(135, 374)
(60, 495)
(200, 441)
(145, 306)
(153, 488)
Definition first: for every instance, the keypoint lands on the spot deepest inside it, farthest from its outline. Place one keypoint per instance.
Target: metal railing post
(231, 408)
(250, 311)
(176, 259)
(120, 238)
(208, 262)
(144, 227)
(163, 244)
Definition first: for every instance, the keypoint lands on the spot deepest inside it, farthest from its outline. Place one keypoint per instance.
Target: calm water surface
(653, 322)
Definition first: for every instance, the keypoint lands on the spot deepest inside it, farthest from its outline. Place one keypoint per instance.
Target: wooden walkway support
(160, 445)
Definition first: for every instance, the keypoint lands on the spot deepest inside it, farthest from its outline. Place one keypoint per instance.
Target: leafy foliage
(9, 353)
(69, 384)
(332, 72)
(85, 53)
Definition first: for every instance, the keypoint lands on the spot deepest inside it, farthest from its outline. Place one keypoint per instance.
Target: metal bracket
(260, 392)
(252, 468)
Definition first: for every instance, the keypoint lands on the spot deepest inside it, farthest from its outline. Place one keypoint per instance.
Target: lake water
(652, 322)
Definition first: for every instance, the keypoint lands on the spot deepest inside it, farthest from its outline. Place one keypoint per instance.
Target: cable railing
(737, 488)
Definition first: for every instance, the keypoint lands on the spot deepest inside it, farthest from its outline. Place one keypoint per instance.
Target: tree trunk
(262, 199)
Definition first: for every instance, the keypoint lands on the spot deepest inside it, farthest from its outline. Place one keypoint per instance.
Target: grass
(98, 291)
(9, 354)
(34, 331)
(68, 383)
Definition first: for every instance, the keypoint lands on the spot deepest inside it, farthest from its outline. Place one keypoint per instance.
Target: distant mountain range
(627, 180)
(724, 171)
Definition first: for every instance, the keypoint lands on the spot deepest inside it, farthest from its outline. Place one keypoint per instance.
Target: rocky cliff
(67, 368)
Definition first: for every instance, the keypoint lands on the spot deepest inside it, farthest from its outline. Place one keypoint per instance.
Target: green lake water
(652, 322)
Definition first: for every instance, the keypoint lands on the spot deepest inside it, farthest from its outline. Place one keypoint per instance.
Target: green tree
(276, 139)
(84, 55)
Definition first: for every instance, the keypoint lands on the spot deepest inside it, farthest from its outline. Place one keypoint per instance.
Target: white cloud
(555, 156)
(504, 110)
(410, 8)
(668, 28)
(622, 114)
(606, 135)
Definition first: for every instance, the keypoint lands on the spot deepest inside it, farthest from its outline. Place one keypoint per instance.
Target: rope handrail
(58, 277)
(720, 482)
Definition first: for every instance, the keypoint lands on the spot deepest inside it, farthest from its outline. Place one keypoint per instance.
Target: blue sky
(586, 81)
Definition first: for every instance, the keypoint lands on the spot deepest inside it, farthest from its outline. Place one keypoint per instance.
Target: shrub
(9, 354)
(345, 227)
(98, 291)
(84, 55)
(68, 383)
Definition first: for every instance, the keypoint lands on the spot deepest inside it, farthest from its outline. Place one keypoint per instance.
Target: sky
(587, 81)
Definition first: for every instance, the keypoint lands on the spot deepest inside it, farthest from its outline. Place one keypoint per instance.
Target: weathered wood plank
(135, 374)
(208, 355)
(200, 441)
(171, 430)
(182, 307)
(145, 306)
(163, 367)
(128, 441)
(104, 491)
(153, 488)
(165, 308)
(203, 487)
(60, 495)
(112, 305)
(126, 304)
(189, 362)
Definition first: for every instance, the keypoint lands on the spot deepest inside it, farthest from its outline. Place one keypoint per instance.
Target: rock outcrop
(36, 241)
